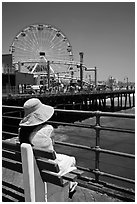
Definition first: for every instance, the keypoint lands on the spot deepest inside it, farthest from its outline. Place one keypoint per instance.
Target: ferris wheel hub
(42, 53)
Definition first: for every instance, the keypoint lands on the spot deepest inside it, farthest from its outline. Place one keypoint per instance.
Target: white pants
(65, 163)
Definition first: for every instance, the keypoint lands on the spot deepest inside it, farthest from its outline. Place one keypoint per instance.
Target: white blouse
(42, 137)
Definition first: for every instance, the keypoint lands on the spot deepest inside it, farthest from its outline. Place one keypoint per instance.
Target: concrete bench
(33, 173)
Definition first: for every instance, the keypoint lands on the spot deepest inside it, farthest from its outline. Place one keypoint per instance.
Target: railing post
(133, 100)
(121, 100)
(97, 153)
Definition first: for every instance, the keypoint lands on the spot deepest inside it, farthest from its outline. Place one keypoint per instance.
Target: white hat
(36, 112)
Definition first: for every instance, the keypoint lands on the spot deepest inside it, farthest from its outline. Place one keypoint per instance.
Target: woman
(34, 131)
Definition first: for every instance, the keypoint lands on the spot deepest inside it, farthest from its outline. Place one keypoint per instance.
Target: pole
(48, 74)
(127, 83)
(58, 80)
(95, 77)
(8, 78)
(81, 69)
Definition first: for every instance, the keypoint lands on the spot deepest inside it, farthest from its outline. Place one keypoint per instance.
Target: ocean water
(116, 141)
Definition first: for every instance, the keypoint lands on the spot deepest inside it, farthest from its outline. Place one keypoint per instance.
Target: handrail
(97, 149)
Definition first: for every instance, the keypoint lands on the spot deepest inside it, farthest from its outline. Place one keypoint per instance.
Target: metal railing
(97, 148)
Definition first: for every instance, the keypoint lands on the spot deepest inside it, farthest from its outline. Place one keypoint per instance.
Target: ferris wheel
(39, 43)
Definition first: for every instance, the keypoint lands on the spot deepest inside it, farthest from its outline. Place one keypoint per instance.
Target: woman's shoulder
(43, 130)
(46, 128)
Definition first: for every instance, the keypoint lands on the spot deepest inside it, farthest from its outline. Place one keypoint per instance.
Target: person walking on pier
(33, 130)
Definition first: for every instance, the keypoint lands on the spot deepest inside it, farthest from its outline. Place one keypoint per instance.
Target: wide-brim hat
(35, 112)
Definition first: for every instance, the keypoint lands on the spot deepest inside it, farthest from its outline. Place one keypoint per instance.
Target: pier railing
(97, 148)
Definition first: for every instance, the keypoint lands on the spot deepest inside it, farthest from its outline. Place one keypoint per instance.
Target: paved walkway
(81, 195)
(13, 190)
(87, 195)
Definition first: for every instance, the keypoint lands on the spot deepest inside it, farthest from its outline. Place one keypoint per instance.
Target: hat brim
(39, 116)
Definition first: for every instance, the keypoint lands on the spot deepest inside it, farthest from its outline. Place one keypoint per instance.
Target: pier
(97, 100)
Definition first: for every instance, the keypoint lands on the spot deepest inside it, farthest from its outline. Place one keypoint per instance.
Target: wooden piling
(121, 100)
(130, 101)
(125, 95)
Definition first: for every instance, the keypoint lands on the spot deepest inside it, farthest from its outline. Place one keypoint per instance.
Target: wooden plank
(11, 120)
(50, 177)
(45, 154)
(9, 164)
(70, 177)
(8, 134)
(8, 198)
(16, 156)
(48, 165)
(15, 196)
(37, 152)
(10, 146)
(14, 187)
(13, 190)
(77, 172)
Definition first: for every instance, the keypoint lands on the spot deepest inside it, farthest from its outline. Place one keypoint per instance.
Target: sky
(103, 31)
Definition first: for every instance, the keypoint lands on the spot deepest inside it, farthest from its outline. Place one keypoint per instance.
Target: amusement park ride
(44, 50)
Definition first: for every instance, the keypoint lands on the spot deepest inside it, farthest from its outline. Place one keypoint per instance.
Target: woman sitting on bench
(34, 131)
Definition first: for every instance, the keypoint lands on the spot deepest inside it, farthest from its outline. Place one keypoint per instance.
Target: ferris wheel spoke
(60, 52)
(34, 39)
(31, 39)
(25, 45)
(60, 44)
(38, 40)
(50, 43)
(24, 48)
(55, 44)
(51, 36)
(60, 48)
(42, 39)
(45, 36)
(26, 42)
(49, 32)
(25, 56)
(57, 39)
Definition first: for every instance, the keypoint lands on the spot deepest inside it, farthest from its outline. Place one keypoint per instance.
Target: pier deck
(87, 195)
(82, 195)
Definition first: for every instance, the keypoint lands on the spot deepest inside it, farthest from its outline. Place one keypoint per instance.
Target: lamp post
(81, 69)
(95, 77)
(48, 74)
(126, 78)
(127, 83)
